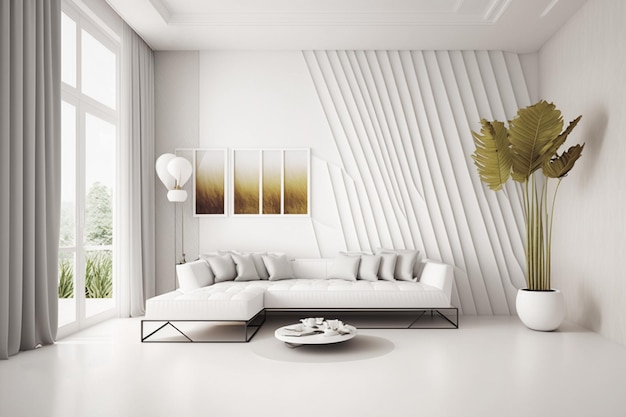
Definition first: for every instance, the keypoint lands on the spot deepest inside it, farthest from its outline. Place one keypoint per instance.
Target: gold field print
(296, 182)
(271, 181)
(246, 178)
(209, 182)
(272, 164)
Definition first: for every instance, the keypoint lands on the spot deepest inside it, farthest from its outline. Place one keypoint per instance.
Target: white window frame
(84, 104)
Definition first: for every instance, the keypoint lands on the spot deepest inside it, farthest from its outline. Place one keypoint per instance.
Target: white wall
(390, 140)
(262, 100)
(583, 71)
(176, 113)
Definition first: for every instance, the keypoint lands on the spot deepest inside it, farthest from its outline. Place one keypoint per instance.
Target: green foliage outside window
(98, 232)
(98, 276)
(99, 217)
(66, 278)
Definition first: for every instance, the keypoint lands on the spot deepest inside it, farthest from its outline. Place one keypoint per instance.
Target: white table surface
(288, 336)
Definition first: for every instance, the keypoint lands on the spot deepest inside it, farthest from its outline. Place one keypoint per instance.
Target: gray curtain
(136, 277)
(30, 155)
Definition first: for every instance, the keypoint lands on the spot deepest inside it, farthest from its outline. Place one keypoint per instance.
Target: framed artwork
(209, 182)
(271, 182)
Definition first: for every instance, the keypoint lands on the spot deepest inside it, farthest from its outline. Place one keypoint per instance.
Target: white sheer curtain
(30, 175)
(136, 277)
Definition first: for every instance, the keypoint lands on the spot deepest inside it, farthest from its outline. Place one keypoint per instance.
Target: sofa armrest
(438, 275)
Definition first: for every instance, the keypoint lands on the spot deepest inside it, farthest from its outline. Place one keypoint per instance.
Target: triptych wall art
(256, 182)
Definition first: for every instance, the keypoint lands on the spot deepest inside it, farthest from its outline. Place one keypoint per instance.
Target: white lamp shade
(177, 196)
(180, 169)
(161, 169)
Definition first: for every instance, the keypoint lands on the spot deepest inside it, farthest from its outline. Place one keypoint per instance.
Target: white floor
(491, 366)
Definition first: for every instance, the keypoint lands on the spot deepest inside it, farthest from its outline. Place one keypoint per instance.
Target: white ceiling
(511, 25)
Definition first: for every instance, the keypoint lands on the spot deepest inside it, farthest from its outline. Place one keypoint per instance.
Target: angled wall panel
(401, 122)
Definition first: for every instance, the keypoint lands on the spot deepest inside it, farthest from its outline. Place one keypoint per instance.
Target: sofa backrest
(312, 268)
(436, 274)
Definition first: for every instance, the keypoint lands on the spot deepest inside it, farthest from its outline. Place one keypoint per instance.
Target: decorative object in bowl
(334, 327)
(312, 321)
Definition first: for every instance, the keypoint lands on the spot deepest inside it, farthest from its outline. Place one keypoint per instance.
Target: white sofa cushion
(216, 302)
(336, 293)
(246, 270)
(278, 267)
(406, 260)
(193, 275)
(387, 266)
(257, 257)
(368, 267)
(223, 267)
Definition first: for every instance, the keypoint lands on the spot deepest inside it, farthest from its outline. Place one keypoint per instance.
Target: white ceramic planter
(540, 310)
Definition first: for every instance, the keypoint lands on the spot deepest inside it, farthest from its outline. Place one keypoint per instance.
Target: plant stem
(549, 222)
(527, 216)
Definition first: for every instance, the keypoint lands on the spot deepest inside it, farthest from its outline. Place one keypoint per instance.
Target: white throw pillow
(278, 267)
(193, 275)
(405, 263)
(345, 267)
(246, 270)
(258, 261)
(368, 267)
(261, 270)
(387, 266)
(223, 267)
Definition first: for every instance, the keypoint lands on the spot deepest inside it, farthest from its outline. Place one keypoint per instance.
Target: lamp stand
(182, 259)
(182, 234)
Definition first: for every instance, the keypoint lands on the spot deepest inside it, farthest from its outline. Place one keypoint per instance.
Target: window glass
(68, 174)
(98, 73)
(68, 50)
(99, 180)
(88, 166)
(67, 284)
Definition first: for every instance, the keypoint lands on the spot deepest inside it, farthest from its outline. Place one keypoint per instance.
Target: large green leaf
(560, 140)
(532, 134)
(493, 155)
(562, 164)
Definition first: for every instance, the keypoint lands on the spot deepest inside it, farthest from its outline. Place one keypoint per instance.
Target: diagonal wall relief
(401, 122)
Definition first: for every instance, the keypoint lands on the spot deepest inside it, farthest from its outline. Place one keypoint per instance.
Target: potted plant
(527, 152)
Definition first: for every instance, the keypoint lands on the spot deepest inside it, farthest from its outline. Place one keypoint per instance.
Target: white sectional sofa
(208, 292)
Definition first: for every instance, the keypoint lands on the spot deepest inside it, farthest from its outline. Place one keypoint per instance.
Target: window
(89, 137)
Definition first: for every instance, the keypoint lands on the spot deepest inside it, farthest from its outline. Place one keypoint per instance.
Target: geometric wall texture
(401, 122)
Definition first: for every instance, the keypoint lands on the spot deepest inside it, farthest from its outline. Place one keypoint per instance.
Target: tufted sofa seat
(215, 302)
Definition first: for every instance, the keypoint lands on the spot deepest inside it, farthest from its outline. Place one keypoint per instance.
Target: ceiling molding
(162, 9)
(513, 25)
(323, 19)
(489, 14)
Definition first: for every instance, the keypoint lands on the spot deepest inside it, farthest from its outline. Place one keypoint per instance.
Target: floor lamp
(174, 171)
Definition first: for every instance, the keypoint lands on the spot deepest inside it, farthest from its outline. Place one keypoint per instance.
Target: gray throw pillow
(193, 275)
(223, 267)
(246, 270)
(345, 267)
(278, 267)
(368, 268)
(387, 266)
(406, 262)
